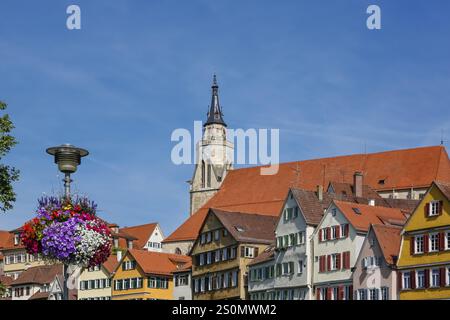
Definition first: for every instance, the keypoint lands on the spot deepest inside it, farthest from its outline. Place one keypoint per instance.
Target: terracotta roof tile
(362, 216)
(389, 239)
(111, 264)
(6, 281)
(245, 227)
(41, 274)
(142, 233)
(267, 255)
(246, 190)
(444, 187)
(158, 262)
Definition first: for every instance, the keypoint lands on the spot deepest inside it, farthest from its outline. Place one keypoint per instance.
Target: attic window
(344, 193)
(239, 229)
(357, 211)
(381, 181)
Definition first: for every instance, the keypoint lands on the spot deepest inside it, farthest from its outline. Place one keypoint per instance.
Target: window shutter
(427, 278)
(427, 210)
(256, 252)
(412, 276)
(341, 293)
(441, 204)
(338, 231)
(322, 264)
(320, 235)
(328, 262)
(328, 233)
(329, 293)
(338, 261)
(399, 281)
(441, 241)
(317, 294)
(347, 227)
(442, 277)
(411, 245)
(350, 292)
(242, 252)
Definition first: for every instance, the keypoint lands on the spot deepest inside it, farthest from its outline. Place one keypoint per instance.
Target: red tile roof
(111, 264)
(267, 255)
(389, 239)
(361, 216)
(444, 187)
(40, 275)
(246, 190)
(245, 227)
(6, 281)
(158, 263)
(142, 233)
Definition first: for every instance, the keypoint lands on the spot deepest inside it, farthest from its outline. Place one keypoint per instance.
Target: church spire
(215, 115)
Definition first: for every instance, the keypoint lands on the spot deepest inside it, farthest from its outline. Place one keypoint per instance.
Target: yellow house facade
(424, 259)
(145, 275)
(227, 243)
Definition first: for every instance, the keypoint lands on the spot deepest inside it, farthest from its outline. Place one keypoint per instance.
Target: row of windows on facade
(372, 294)
(334, 232)
(344, 292)
(285, 294)
(430, 242)
(26, 291)
(425, 278)
(137, 283)
(181, 280)
(277, 270)
(208, 237)
(95, 284)
(224, 254)
(334, 262)
(21, 258)
(290, 240)
(154, 245)
(216, 282)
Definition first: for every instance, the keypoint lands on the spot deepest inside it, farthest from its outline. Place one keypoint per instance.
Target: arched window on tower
(203, 173)
(209, 176)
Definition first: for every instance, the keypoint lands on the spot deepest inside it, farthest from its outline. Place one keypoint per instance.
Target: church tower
(214, 155)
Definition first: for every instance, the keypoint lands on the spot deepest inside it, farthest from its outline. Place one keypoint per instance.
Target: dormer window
(356, 210)
(16, 239)
(381, 181)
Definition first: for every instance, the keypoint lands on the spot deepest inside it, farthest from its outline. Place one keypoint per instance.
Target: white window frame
(433, 209)
(436, 235)
(384, 291)
(300, 267)
(435, 274)
(249, 252)
(420, 283)
(216, 235)
(447, 240)
(334, 261)
(416, 244)
(406, 275)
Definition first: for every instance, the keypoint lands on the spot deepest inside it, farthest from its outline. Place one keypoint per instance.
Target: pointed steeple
(215, 115)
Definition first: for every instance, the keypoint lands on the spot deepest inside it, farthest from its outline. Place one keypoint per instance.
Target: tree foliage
(8, 174)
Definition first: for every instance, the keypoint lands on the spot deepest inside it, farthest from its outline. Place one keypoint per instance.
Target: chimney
(119, 255)
(320, 192)
(358, 184)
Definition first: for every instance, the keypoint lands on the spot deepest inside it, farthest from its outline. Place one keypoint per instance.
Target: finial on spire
(215, 115)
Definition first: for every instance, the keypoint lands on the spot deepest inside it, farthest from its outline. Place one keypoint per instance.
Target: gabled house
(182, 282)
(146, 275)
(261, 273)
(227, 243)
(338, 239)
(397, 174)
(375, 274)
(94, 283)
(35, 282)
(146, 236)
(424, 261)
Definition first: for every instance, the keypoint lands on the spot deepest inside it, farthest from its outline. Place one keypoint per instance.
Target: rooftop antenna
(442, 137)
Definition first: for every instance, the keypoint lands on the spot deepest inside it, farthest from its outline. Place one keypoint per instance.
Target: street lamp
(67, 157)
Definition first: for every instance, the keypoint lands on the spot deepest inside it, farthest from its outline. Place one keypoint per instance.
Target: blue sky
(137, 70)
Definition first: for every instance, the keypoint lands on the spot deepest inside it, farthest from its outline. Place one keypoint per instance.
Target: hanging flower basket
(68, 231)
